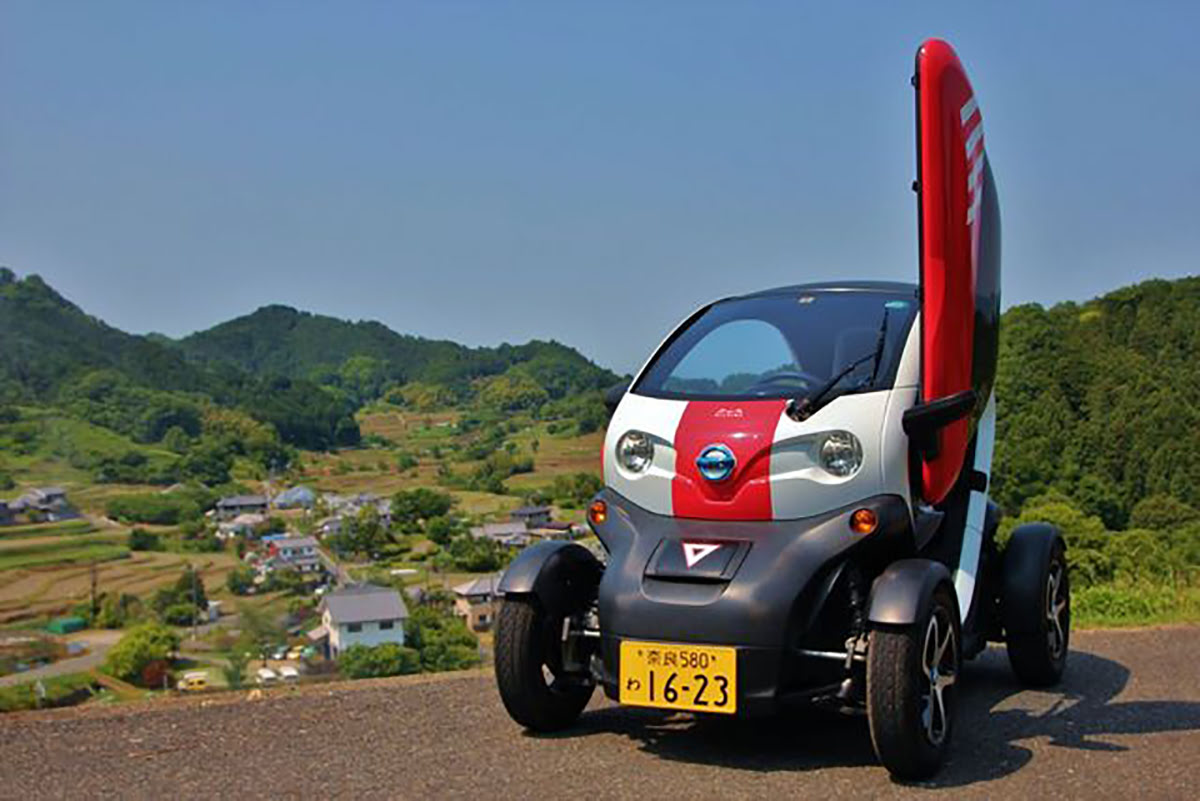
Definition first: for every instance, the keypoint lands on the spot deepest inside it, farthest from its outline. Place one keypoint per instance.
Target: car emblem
(716, 463)
(693, 552)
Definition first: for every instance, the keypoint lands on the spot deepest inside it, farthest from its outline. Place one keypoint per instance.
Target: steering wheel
(807, 380)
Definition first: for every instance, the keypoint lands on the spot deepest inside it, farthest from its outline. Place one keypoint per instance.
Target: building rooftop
(530, 511)
(243, 500)
(496, 530)
(361, 603)
(295, 542)
(484, 585)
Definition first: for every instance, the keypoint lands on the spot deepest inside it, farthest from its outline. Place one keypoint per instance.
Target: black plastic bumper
(768, 599)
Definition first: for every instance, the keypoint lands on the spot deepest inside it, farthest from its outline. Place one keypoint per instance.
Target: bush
(1135, 604)
(388, 659)
(411, 507)
(142, 540)
(144, 645)
(60, 691)
(240, 580)
(477, 555)
(442, 639)
(158, 508)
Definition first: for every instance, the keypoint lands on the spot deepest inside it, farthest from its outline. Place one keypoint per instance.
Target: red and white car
(796, 497)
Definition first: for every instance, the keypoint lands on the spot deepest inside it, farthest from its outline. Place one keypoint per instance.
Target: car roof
(893, 287)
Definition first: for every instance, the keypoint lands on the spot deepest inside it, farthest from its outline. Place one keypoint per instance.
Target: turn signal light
(863, 521)
(598, 512)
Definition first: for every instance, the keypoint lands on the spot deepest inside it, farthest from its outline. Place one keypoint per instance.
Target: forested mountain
(47, 340)
(303, 374)
(280, 340)
(1101, 400)
(1098, 401)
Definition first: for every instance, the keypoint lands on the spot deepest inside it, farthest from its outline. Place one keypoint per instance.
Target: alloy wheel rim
(939, 666)
(1056, 610)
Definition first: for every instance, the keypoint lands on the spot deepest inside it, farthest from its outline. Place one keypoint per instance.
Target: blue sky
(588, 172)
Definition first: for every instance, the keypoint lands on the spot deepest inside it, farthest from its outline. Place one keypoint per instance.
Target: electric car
(796, 498)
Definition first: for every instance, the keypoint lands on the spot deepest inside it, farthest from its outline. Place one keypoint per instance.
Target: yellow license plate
(695, 678)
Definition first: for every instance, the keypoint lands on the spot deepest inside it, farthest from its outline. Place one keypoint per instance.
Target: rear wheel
(537, 690)
(1038, 655)
(912, 672)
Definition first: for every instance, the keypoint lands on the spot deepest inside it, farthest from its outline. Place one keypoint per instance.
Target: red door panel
(954, 219)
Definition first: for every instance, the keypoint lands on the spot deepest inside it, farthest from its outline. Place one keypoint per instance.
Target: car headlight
(841, 454)
(635, 451)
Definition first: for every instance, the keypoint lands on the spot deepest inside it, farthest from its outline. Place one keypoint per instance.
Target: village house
(294, 553)
(6, 515)
(240, 526)
(554, 530)
(296, 498)
(361, 614)
(531, 516)
(478, 601)
(342, 507)
(231, 507)
(510, 535)
(47, 504)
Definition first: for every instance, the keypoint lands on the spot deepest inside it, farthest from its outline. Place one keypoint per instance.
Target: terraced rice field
(35, 592)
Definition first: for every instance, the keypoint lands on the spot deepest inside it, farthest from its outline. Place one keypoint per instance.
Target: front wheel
(912, 672)
(535, 687)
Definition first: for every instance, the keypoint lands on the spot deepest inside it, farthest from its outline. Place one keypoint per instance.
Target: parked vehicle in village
(796, 503)
(193, 681)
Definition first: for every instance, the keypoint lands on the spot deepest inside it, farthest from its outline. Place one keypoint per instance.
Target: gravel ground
(1125, 723)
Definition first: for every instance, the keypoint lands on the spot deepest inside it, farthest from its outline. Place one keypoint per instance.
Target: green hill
(1101, 400)
(283, 341)
(48, 341)
(303, 374)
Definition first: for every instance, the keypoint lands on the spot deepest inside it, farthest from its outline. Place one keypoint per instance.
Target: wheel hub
(939, 659)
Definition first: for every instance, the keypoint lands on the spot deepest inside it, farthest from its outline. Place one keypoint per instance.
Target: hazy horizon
(578, 173)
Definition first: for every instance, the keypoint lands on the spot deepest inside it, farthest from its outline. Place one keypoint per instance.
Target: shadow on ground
(995, 714)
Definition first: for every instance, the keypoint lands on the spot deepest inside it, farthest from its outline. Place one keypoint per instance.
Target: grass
(1117, 606)
(59, 529)
(60, 690)
(69, 552)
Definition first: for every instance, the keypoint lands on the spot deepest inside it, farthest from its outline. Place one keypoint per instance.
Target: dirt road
(1126, 723)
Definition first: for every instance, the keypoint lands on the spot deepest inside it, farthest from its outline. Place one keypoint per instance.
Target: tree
(142, 540)
(441, 529)
(260, 632)
(386, 659)
(411, 507)
(1162, 513)
(240, 580)
(235, 668)
(177, 440)
(442, 639)
(138, 649)
(181, 602)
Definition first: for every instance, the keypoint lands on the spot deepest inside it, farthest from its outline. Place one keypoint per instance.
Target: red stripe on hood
(747, 428)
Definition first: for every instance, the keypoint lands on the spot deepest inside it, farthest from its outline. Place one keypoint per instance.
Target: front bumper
(769, 600)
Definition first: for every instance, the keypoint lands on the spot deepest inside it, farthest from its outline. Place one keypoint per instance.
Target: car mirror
(923, 421)
(613, 395)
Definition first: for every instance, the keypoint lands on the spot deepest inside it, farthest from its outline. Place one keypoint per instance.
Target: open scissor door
(960, 255)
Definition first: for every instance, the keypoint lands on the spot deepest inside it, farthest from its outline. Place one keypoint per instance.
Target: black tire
(535, 689)
(1039, 656)
(912, 690)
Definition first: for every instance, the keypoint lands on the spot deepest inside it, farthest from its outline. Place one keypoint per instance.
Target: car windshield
(785, 345)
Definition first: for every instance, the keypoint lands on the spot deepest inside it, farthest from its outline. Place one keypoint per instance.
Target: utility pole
(95, 595)
(195, 601)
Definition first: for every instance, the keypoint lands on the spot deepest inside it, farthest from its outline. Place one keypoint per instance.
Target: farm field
(436, 445)
(33, 591)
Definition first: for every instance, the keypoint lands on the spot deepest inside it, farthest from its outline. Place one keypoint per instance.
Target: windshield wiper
(800, 409)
